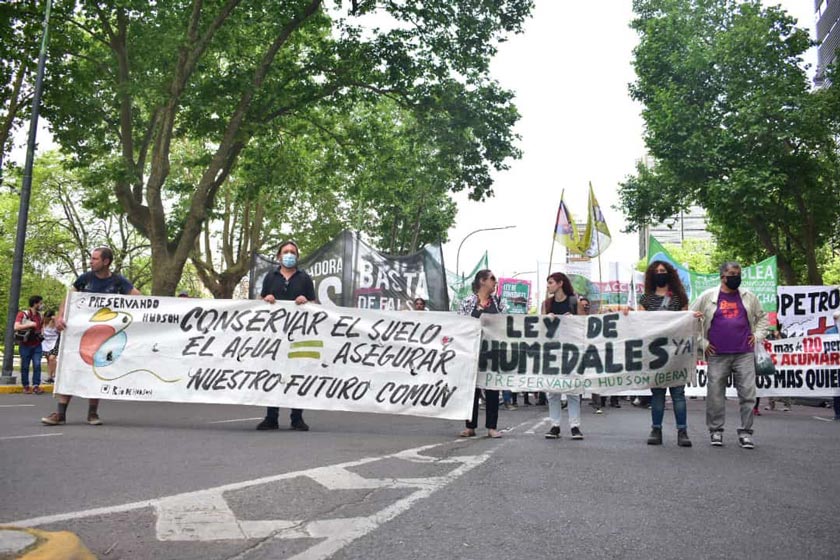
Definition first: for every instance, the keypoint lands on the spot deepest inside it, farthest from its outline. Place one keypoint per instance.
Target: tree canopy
(132, 79)
(732, 126)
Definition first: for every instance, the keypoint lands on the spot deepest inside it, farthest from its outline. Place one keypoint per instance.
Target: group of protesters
(732, 320)
(733, 324)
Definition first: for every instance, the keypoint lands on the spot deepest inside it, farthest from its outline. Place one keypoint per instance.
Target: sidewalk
(31, 544)
(13, 389)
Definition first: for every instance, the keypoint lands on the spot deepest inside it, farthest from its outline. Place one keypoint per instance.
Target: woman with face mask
(287, 283)
(664, 291)
(483, 300)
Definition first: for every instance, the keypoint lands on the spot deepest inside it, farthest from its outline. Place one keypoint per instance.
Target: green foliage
(698, 255)
(130, 80)
(732, 126)
(831, 272)
(36, 276)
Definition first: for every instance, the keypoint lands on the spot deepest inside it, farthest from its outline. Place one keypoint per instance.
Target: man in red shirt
(29, 327)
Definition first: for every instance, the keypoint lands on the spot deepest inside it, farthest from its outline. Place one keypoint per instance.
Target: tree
(65, 225)
(732, 126)
(138, 77)
(37, 276)
(400, 180)
(698, 255)
(367, 168)
(19, 34)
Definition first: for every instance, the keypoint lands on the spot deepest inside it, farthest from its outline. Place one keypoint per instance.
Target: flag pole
(554, 233)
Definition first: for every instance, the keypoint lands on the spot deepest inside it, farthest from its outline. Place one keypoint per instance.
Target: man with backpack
(29, 327)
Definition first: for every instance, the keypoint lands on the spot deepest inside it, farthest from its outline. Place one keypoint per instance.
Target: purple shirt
(730, 328)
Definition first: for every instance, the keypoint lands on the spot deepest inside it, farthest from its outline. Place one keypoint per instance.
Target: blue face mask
(289, 260)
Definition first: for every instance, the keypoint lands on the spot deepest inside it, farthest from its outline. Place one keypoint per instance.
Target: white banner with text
(604, 354)
(252, 352)
(807, 366)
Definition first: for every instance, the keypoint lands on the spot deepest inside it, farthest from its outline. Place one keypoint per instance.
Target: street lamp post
(458, 254)
(7, 377)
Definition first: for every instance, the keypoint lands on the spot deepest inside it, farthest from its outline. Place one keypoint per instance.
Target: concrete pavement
(197, 481)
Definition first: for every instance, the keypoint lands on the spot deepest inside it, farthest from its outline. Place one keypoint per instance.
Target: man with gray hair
(733, 323)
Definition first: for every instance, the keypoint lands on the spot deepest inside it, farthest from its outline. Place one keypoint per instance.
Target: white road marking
(822, 418)
(533, 429)
(508, 429)
(32, 436)
(204, 515)
(236, 420)
(14, 405)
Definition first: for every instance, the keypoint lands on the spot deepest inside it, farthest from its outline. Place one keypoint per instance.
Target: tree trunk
(810, 243)
(782, 263)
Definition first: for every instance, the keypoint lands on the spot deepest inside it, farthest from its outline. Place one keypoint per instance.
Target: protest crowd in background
(606, 356)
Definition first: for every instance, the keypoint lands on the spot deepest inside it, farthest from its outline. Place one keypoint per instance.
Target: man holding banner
(733, 323)
(99, 280)
(287, 283)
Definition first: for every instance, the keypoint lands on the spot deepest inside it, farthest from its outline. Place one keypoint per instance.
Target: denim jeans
(30, 354)
(742, 369)
(657, 406)
(555, 409)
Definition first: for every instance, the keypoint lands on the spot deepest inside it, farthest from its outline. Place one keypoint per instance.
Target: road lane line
(32, 436)
(201, 494)
(822, 419)
(235, 420)
(14, 405)
(533, 429)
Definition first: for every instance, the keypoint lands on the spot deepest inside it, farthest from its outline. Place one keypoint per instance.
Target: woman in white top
(49, 346)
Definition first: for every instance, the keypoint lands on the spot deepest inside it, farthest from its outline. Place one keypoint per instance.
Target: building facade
(828, 36)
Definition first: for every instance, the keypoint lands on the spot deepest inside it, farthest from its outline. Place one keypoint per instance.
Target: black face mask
(732, 282)
(661, 279)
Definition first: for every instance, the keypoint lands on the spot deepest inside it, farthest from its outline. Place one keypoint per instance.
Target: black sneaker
(682, 438)
(268, 424)
(746, 442)
(553, 433)
(655, 437)
(576, 433)
(717, 439)
(300, 426)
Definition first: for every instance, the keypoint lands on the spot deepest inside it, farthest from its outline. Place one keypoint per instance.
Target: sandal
(469, 432)
(493, 434)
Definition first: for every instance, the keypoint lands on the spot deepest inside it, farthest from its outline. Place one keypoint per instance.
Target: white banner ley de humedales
(603, 354)
(252, 352)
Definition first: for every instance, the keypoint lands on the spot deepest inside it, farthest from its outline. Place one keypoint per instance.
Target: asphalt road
(197, 481)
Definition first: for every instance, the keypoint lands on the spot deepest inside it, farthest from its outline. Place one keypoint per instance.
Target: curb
(15, 389)
(47, 545)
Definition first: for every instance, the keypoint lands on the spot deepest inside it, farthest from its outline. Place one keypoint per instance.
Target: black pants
(492, 412)
(613, 401)
(273, 413)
